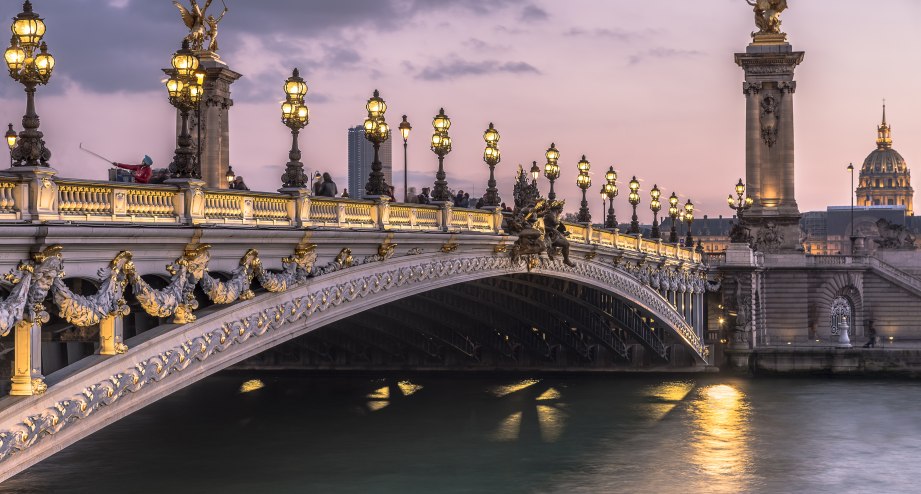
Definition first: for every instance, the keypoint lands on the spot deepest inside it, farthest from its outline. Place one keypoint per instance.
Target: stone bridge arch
(170, 357)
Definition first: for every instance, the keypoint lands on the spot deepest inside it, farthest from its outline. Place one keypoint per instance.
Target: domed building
(884, 178)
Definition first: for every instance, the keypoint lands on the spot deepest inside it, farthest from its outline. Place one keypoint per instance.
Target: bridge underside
(512, 322)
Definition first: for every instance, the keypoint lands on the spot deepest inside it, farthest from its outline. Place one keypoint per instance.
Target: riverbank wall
(901, 362)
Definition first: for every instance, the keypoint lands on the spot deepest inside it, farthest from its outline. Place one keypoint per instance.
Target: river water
(281, 433)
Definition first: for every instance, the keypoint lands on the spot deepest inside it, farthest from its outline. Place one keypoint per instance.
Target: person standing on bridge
(141, 173)
(328, 187)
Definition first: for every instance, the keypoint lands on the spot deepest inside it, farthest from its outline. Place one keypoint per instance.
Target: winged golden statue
(767, 15)
(195, 19)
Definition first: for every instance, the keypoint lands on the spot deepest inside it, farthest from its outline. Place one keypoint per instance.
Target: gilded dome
(885, 179)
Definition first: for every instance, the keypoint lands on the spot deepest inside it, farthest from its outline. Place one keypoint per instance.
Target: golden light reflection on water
(251, 385)
(500, 391)
(379, 398)
(408, 388)
(509, 429)
(720, 437)
(552, 422)
(549, 411)
(549, 394)
(380, 393)
(663, 398)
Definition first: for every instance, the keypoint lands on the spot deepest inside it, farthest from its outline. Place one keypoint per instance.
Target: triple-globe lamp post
(584, 181)
(441, 146)
(377, 132)
(491, 156)
(740, 203)
(552, 169)
(673, 214)
(30, 69)
(689, 219)
(404, 131)
(610, 189)
(185, 90)
(295, 115)
(655, 206)
(634, 199)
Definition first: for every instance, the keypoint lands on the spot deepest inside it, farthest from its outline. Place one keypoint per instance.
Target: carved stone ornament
(769, 120)
(892, 236)
(203, 341)
(770, 238)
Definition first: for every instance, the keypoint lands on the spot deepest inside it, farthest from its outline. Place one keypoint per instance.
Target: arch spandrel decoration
(217, 340)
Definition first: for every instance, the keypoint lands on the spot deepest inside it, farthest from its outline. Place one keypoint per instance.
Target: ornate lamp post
(584, 181)
(11, 139)
(295, 115)
(634, 199)
(184, 94)
(230, 176)
(552, 169)
(30, 69)
(850, 168)
(740, 203)
(673, 214)
(655, 206)
(689, 219)
(441, 145)
(611, 191)
(404, 131)
(535, 172)
(377, 131)
(492, 157)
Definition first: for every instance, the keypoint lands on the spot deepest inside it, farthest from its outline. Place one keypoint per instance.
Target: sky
(647, 87)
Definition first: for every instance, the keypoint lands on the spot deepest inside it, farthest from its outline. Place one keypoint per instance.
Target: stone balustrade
(37, 196)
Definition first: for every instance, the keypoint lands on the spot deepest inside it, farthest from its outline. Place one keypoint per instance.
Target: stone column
(111, 336)
(27, 360)
(769, 63)
(215, 120)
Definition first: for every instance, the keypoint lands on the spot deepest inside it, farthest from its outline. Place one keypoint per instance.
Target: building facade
(885, 179)
(361, 154)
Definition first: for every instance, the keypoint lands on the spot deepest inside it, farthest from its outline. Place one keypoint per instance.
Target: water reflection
(661, 399)
(721, 437)
(500, 391)
(251, 385)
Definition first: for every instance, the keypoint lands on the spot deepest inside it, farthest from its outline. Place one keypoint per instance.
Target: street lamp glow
(377, 132)
(441, 146)
(295, 115)
(535, 171)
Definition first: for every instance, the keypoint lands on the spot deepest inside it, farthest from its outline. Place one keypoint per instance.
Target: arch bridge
(246, 272)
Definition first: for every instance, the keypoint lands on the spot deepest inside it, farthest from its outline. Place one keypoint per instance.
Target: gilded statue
(201, 27)
(767, 15)
(212, 29)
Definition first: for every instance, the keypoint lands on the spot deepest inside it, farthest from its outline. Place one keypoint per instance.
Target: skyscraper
(361, 154)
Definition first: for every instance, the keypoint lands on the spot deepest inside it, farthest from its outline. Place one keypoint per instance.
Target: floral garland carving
(154, 369)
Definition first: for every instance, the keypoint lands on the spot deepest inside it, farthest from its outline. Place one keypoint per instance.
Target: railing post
(446, 213)
(189, 203)
(341, 218)
(639, 242)
(246, 207)
(588, 233)
(119, 203)
(298, 206)
(111, 336)
(27, 360)
(413, 216)
(36, 195)
(497, 221)
(382, 205)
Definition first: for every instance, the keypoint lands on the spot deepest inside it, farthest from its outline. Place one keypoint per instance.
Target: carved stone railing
(37, 196)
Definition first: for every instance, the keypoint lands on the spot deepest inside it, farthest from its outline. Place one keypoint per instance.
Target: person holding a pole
(141, 173)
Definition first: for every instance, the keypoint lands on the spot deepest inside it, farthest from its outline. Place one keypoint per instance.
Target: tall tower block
(769, 62)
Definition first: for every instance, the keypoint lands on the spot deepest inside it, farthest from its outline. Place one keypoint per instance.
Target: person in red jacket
(141, 173)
